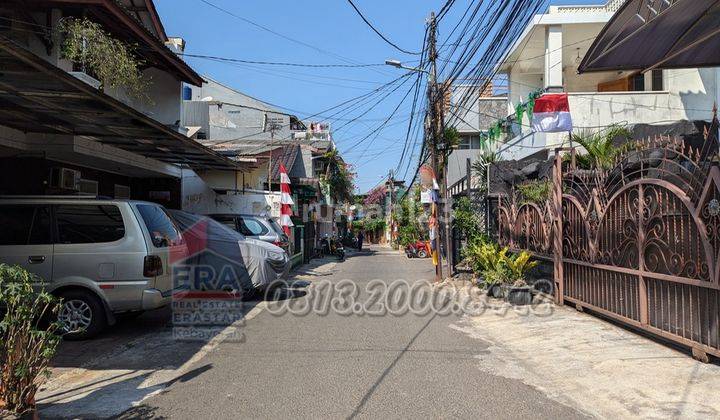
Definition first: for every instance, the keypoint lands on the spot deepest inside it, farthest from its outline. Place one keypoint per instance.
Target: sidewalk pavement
(593, 365)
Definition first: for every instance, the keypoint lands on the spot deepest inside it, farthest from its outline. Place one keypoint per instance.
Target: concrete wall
(165, 93)
(464, 116)
(457, 164)
(485, 112)
(199, 197)
(196, 114)
(303, 167)
(233, 115)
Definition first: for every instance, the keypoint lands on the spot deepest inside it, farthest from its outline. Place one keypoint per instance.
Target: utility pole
(435, 131)
(391, 189)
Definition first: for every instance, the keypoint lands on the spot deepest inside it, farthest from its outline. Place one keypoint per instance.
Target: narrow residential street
(482, 209)
(336, 366)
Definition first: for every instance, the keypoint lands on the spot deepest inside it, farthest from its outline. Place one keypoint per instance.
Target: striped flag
(551, 113)
(285, 201)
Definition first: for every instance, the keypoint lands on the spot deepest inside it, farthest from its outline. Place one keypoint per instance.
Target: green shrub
(25, 346)
(600, 149)
(482, 256)
(535, 191)
(497, 265)
(467, 221)
(374, 225)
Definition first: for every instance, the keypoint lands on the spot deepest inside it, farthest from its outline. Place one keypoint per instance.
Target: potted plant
(518, 292)
(481, 257)
(489, 262)
(26, 344)
(495, 282)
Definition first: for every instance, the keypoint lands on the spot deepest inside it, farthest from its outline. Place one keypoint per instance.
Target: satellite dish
(207, 99)
(353, 207)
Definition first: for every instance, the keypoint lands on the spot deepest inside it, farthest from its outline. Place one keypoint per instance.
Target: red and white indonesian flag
(285, 201)
(551, 113)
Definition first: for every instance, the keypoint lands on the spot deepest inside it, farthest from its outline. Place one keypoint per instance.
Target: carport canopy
(645, 35)
(38, 97)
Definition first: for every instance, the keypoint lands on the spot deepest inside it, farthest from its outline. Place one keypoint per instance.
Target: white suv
(102, 257)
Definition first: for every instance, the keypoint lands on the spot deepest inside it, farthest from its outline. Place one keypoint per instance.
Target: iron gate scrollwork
(639, 242)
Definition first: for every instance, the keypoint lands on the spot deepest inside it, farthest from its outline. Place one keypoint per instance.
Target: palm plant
(600, 148)
(484, 159)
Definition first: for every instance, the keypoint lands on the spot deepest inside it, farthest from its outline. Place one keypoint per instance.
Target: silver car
(102, 257)
(262, 228)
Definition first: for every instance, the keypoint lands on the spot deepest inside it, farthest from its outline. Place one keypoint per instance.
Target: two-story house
(472, 110)
(63, 132)
(546, 58)
(261, 136)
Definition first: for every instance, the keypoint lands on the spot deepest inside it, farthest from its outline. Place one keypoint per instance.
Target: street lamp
(398, 64)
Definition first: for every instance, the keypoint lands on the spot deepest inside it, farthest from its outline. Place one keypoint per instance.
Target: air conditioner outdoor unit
(88, 187)
(122, 191)
(65, 178)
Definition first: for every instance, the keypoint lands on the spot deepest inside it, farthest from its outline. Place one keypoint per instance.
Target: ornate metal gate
(638, 242)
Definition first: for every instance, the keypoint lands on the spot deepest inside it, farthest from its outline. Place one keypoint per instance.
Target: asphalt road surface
(322, 362)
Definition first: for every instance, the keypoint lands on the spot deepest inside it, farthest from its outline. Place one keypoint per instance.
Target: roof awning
(646, 35)
(37, 97)
(118, 19)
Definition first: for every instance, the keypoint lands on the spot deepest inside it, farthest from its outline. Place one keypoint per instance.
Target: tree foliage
(339, 177)
(409, 217)
(376, 195)
(466, 220)
(112, 62)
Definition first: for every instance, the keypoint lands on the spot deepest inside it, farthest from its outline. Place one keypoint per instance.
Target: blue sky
(337, 36)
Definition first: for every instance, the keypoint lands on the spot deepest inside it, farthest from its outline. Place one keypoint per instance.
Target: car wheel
(81, 315)
(422, 254)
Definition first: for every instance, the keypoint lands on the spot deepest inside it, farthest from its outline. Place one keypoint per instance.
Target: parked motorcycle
(418, 249)
(350, 240)
(333, 246)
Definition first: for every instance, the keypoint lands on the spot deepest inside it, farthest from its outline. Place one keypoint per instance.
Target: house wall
(486, 112)
(196, 114)
(164, 89)
(468, 118)
(234, 115)
(303, 167)
(199, 197)
(166, 93)
(688, 94)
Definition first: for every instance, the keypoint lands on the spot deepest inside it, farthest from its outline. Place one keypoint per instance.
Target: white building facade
(546, 57)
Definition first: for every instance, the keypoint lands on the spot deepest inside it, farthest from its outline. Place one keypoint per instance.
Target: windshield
(276, 227)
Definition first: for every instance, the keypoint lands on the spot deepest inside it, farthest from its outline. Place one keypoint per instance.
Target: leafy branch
(339, 177)
(111, 61)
